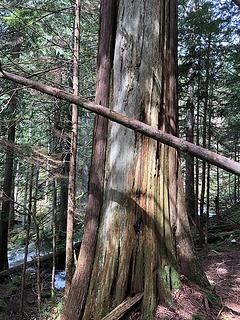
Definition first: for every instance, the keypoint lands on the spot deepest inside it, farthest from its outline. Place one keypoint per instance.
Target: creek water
(16, 257)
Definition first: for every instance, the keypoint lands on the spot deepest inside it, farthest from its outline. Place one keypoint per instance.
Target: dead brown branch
(136, 125)
(120, 310)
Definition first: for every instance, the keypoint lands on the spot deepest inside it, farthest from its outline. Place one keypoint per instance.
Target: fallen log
(223, 219)
(221, 228)
(136, 125)
(43, 259)
(120, 310)
(31, 263)
(212, 238)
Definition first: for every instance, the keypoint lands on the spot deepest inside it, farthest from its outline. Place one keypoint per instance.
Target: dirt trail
(223, 271)
(222, 267)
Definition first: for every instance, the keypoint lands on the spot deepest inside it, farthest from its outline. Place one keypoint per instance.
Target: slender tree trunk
(9, 165)
(73, 155)
(208, 168)
(7, 186)
(25, 198)
(202, 198)
(229, 189)
(61, 143)
(16, 186)
(63, 199)
(197, 169)
(74, 306)
(54, 238)
(190, 198)
(199, 66)
(235, 177)
(37, 241)
(86, 143)
(238, 178)
(28, 228)
(217, 207)
(189, 180)
(55, 211)
(13, 195)
(207, 201)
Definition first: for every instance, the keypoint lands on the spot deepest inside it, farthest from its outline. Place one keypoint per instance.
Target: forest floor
(221, 262)
(222, 267)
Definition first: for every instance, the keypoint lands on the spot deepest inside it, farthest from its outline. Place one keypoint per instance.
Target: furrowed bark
(144, 226)
(136, 125)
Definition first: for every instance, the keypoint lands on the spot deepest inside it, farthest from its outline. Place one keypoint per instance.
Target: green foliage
(209, 40)
(195, 20)
(20, 16)
(175, 280)
(17, 280)
(52, 309)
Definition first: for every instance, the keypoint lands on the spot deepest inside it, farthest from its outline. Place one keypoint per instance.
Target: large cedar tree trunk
(144, 238)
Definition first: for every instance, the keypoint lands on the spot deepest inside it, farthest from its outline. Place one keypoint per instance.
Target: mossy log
(212, 238)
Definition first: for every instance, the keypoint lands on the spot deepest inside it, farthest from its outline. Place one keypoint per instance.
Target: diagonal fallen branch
(166, 138)
(120, 310)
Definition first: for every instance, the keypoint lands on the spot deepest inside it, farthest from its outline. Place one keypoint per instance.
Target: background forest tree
(37, 40)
